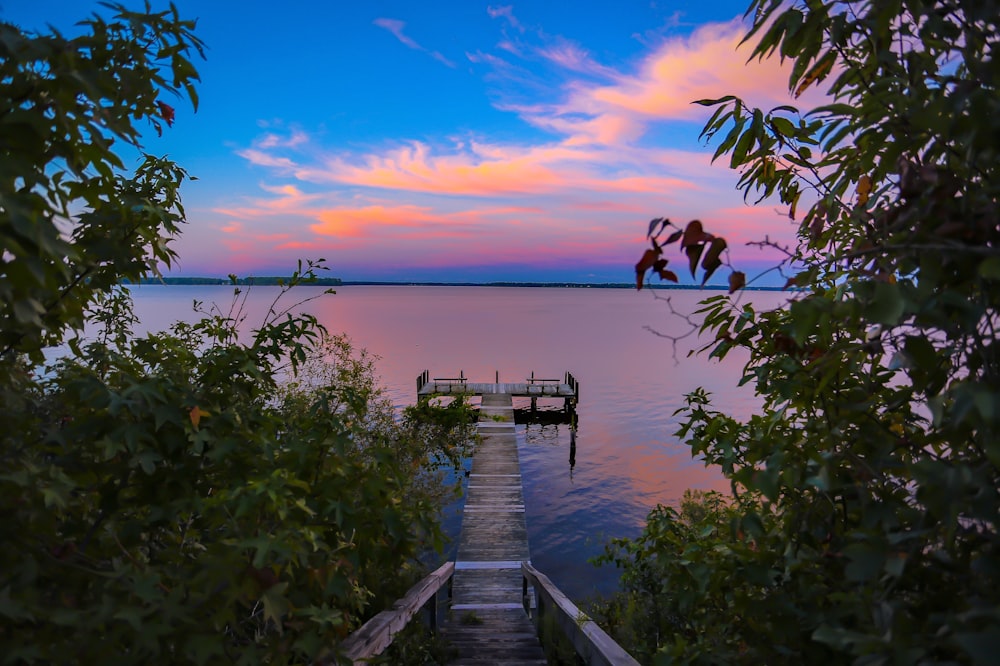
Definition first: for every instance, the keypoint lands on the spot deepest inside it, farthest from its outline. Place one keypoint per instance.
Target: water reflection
(625, 458)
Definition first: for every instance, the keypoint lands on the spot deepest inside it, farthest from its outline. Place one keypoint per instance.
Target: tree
(204, 494)
(866, 491)
(66, 102)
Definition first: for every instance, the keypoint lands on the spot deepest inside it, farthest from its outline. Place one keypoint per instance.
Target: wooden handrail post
(376, 634)
(591, 642)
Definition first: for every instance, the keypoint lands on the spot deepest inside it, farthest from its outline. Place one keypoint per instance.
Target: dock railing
(375, 635)
(591, 643)
(594, 646)
(573, 384)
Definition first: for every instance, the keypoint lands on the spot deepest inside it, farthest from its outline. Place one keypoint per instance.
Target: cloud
(579, 191)
(505, 12)
(570, 56)
(709, 64)
(396, 28)
(260, 157)
(271, 140)
(660, 88)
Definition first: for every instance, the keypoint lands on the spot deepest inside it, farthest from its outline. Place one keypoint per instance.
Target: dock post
(572, 440)
(498, 377)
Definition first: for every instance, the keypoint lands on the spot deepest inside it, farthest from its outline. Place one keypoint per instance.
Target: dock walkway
(488, 624)
(567, 388)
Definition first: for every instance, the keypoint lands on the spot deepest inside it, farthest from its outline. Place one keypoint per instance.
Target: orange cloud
(372, 221)
(708, 64)
(580, 195)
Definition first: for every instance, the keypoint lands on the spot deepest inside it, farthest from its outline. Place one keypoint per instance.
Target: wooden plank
(488, 624)
(591, 642)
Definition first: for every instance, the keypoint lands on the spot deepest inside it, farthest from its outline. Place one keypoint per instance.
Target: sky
(455, 141)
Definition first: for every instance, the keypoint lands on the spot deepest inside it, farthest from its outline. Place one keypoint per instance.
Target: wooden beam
(590, 641)
(376, 634)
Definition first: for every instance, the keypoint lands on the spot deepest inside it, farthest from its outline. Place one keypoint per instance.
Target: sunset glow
(455, 141)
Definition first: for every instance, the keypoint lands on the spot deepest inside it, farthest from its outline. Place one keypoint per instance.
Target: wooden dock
(488, 623)
(494, 587)
(567, 388)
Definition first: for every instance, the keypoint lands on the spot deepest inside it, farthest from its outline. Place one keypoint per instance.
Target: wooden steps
(487, 623)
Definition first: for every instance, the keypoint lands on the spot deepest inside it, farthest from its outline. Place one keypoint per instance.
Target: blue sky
(453, 140)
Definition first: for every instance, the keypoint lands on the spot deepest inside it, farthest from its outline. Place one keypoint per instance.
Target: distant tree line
(261, 281)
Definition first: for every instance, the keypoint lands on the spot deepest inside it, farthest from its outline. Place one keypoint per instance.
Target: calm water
(627, 459)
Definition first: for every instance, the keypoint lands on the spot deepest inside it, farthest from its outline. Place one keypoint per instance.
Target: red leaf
(196, 414)
(167, 112)
(674, 237)
(737, 280)
(694, 254)
(712, 258)
(265, 578)
(714, 252)
(649, 258)
(694, 234)
(668, 275)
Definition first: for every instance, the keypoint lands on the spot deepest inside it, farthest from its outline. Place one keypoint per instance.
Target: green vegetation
(205, 494)
(864, 522)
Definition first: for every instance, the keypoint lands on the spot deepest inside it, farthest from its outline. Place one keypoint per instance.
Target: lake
(631, 382)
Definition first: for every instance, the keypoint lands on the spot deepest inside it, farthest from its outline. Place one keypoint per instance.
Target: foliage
(866, 489)
(64, 105)
(179, 504)
(676, 597)
(205, 494)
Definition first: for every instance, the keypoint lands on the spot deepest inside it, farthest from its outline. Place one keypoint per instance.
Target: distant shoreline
(262, 281)
(337, 282)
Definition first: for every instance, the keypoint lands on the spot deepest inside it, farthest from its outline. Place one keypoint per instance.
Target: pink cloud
(396, 28)
(261, 158)
(506, 12)
(583, 194)
(271, 140)
(708, 64)
(572, 57)
(303, 245)
(373, 221)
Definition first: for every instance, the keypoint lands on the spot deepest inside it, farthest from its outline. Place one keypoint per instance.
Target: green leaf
(982, 646)
(990, 268)
(866, 561)
(887, 304)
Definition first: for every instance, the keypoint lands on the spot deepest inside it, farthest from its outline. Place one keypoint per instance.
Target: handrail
(591, 642)
(376, 634)
(533, 379)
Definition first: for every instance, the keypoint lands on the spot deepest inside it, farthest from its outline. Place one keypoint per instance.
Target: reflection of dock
(567, 388)
(545, 417)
